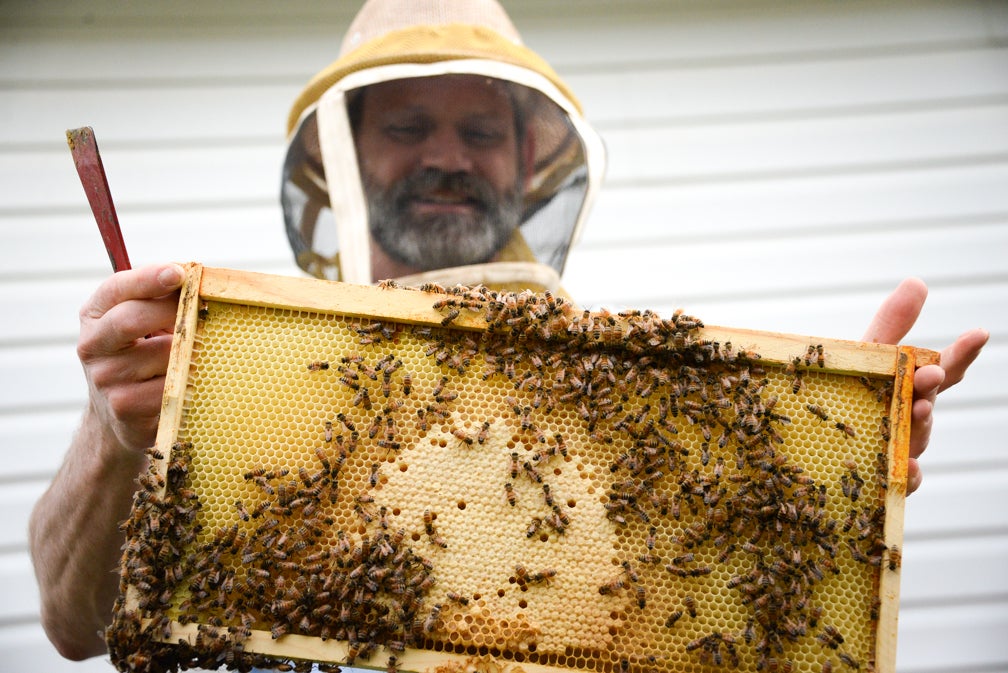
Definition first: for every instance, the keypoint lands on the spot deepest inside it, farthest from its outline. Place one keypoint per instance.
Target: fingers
(960, 354)
(148, 282)
(921, 422)
(898, 313)
(127, 307)
(124, 368)
(136, 411)
(147, 359)
(928, 381)
(914, 476)
(894, 319)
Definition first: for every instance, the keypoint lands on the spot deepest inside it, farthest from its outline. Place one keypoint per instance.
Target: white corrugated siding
(774, 165)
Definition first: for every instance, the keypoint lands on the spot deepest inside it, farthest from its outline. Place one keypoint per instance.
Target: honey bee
(509, 490)
(318, 365)
(375, 427)
(673, 618)
(846, 429)
(534, 525)
(830, 637)
(612, 586)
(457, 598)
(895, 557)
(651, 538)
(561, 518)
(347, 423)
(462, 436)
(449, 317)
(362, 398)
(817, 411)
(484, 432)
(430, 623)
(542, 576)
(630, 572)
(690, 604)
(446, 396)
(794, 369)
(849, 661)
(514, 465)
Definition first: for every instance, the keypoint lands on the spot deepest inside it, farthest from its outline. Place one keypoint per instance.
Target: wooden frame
(409, 307)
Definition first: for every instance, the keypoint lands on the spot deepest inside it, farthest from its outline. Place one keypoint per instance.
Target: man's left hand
(891, 323)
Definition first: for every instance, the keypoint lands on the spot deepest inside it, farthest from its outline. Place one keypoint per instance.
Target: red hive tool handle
(92, 176)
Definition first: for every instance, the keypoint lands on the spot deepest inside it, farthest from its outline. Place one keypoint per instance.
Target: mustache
(427, 180)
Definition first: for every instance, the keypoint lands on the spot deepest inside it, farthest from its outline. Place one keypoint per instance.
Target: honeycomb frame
(423, 467)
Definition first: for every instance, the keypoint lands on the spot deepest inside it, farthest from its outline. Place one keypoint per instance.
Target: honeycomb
(549, 490)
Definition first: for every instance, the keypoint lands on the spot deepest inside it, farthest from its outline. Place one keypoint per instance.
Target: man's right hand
(125, 340)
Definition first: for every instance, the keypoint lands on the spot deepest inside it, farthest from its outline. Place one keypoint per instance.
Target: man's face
(440, 165)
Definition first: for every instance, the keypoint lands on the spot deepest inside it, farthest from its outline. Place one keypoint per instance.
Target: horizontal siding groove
(964, 468)
(14, 548)
(125, 208)
(995, 219)
(791, 114)
(174, 24)
(860, 169)
(995, 404)
(565, 68)
(19, 620)
(12, 478)
(87, 274)
(13, 344)
(953, 668)
(907, 604)
(267, 140)
(42, 407)
(851, 54)
(160, 84)
(801, 289)
(948, 535)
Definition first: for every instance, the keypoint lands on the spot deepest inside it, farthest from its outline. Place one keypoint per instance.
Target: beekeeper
(436, 147)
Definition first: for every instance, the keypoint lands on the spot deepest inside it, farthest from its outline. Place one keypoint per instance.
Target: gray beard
(446, 240)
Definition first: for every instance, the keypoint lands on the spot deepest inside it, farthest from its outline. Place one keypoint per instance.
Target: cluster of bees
(635, 380)
(748, 499)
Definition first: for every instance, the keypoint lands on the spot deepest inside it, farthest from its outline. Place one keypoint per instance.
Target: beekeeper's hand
(125, 339)
(891, 323)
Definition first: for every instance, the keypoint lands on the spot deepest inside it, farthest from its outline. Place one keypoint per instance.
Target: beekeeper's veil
(325, 209)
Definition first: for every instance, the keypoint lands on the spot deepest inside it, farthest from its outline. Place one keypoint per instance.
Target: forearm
(75, 539)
